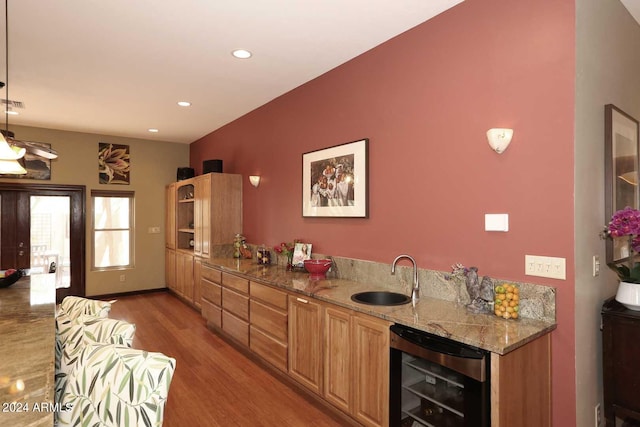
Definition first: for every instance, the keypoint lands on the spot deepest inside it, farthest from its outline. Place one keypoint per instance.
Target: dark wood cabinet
(620, 356)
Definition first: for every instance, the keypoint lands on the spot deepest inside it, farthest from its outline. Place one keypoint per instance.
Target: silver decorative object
(480, 292)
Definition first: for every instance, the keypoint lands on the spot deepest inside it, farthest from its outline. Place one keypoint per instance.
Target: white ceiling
(118, 67)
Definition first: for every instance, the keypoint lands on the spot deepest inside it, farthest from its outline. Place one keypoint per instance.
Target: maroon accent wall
(425, 100)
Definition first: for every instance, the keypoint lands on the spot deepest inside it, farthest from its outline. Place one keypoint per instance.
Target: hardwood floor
(214, 384)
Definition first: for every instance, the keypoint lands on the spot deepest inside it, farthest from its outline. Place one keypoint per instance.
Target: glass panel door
(50, 237)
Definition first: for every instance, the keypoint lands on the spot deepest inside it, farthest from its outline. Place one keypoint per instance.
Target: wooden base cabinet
(620, 355)
(211, 297)
(235, 308)
(356, 365)
(370, 371)
(305, 342)
(523, 375)
(338, 389)
(268, 334)
(197, 282)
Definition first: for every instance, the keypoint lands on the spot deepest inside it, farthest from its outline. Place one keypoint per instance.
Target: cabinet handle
(304, 301)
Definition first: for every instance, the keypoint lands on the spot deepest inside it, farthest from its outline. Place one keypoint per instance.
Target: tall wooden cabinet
(170, 217)
(201, 212)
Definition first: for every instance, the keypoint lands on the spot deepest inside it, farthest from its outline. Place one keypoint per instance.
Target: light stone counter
(436, 316)
(27, 334)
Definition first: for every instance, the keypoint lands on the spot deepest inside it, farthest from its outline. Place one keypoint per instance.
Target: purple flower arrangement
(626, 223)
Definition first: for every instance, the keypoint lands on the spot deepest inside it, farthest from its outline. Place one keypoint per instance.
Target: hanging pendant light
(9, 154)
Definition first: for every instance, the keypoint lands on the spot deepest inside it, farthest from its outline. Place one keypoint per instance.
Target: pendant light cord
(6, 64)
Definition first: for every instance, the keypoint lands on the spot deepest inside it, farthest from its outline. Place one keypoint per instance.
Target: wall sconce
(499, 139)
(255, 180)
(630, 177)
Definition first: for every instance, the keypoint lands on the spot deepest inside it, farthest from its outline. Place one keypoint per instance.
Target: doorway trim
(77, 195)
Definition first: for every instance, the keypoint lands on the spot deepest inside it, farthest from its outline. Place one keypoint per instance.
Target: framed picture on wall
(335, 181)
(621, 173)
(114, 163)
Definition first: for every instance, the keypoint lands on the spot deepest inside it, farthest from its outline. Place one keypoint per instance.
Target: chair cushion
(115, 385)
(76, 306)
(72, 335)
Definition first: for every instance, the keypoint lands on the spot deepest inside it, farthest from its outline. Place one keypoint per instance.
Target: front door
(28, 237)
(14, 230)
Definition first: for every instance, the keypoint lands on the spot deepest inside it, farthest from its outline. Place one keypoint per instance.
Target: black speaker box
(212, 166)
(185, 173)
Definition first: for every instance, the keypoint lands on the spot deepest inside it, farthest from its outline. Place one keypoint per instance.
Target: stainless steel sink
(380, 298)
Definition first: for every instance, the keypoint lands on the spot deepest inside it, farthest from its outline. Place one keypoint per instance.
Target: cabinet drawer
(269, 295)
(212, 313)
(271, 350)
(235, 282)
(211, 291)
(269, 320)
(235, 303)
(235, 327)
(211, 275)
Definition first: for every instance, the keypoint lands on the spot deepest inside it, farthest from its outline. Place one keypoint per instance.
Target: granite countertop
(439, 317)
(27, 330)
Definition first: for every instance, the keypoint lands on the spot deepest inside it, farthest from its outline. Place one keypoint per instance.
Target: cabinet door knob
(302, 300)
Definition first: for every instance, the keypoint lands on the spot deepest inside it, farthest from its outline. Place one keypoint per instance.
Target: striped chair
(72, 335)
(76, 306)
(114, 385)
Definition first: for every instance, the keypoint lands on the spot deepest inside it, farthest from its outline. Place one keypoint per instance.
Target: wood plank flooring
(214, 384)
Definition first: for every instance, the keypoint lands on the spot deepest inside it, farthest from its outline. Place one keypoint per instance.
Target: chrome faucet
(415, 292)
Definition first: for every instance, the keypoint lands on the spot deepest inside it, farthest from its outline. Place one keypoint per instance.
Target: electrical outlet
(122, 278)
(545, 266)
(598, 415)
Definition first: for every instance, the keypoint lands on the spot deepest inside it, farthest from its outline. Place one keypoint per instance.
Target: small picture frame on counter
(301, 252)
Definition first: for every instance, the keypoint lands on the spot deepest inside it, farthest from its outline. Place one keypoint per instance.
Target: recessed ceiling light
(241, 53)
(184, 103)
(153, 130)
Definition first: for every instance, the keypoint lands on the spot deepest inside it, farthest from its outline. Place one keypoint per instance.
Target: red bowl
(317, 267)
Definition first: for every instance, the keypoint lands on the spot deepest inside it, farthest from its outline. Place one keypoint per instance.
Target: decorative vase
(290, 261)
(629, 295)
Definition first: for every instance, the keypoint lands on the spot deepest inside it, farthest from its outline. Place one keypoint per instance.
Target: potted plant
(286, 249)
(626, 223)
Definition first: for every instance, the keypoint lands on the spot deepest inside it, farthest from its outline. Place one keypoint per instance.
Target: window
(112, 229)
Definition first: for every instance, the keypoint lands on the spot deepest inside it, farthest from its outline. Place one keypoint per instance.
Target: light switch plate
(545, 266)
(496, 222)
